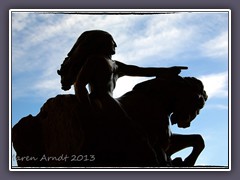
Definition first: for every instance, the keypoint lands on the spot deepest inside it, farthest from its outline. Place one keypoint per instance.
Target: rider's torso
(103, 81)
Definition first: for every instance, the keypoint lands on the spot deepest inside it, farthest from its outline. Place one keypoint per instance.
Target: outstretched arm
(131, 70)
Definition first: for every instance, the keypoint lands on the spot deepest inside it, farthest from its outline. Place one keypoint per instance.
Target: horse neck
(147, 105)
(163, 100)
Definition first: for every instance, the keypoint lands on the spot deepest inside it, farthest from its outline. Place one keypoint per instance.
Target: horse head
(183, 97)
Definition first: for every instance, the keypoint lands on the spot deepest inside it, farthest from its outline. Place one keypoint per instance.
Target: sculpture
(130, 131)
(64, 127)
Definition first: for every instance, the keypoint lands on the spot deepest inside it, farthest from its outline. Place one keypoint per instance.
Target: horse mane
(158, 84)
(163, 85)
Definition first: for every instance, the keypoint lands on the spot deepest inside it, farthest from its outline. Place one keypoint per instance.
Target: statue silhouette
(94, 50)
(130, 131)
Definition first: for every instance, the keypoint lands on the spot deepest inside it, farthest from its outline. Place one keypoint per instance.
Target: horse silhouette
(64, 134)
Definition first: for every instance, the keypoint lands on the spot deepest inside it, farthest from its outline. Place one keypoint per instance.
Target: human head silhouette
(92, 42)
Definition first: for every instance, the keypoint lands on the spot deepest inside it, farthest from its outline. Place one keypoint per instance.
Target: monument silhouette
(92, 129)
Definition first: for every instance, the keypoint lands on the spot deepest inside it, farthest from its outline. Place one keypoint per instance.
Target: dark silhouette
(130, 131)
(92, 55)
(64, 127)
(89, 63)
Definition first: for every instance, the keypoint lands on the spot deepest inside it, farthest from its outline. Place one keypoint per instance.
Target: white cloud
(216, 85)
(164, 45)
(216, 47)
(160, 36)
(126, 84)
(49, 88)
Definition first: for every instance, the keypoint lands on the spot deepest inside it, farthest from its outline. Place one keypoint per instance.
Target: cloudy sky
(41, 40)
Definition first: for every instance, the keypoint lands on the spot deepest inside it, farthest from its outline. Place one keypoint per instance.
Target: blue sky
(41, 40)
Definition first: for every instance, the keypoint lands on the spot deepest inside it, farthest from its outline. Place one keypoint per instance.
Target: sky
(40, 40)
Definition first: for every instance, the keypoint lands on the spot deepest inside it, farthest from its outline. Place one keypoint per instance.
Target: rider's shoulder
(96, 58)
(99, 62)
